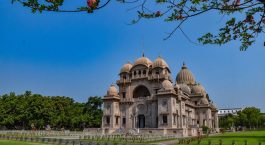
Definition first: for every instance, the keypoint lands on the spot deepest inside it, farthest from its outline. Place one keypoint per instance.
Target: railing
(127, 99)
(124, 100)
(81, 138)
(123, 81)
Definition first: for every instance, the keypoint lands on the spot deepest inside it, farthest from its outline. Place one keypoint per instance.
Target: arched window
(141, 91)
(117, 120)
(164, 119)
(123, 94)
(123, 120)
(157, 72)
(144, 72)
(107, 119)
(139, 72)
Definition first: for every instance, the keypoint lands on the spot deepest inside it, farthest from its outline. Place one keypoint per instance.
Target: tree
(246, 18)
(252, 116)
(21, 111)
(249, 117)
(227, 121)
(261, 119)
(241, 119)
(94, 111)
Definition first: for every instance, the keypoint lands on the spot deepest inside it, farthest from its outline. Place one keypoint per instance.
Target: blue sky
(80, 55)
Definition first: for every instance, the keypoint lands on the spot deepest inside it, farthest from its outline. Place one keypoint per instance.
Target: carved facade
(148, 101)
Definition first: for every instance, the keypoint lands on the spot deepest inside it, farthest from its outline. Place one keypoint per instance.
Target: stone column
(133, 122)
(177, 121)
(201, 117)
(208, 115)
(128, 117)
(181, 114)
(216, 121)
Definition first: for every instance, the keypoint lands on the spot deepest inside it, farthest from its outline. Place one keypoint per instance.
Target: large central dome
(185, 76)
(143, 61)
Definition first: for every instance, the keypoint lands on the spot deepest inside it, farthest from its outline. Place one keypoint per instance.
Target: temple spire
(184, 65)
(143, 47)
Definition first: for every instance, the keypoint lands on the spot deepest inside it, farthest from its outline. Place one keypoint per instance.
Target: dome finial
(143, 54)
(184, 65)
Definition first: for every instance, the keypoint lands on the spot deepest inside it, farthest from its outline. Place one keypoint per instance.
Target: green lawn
(252, 137)
(9, 142)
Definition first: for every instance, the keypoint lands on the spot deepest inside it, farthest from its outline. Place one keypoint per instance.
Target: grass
(10, 142)
(124, 141)
(252, 138)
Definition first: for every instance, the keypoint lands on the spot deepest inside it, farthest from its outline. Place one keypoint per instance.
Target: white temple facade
(148, 101)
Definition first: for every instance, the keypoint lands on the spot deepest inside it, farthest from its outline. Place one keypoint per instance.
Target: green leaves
(249, 117)
(247, 23)
(242, 27)
(93, 111)
(196, 1)
(20, 111)
(244, 31)
(161, 1)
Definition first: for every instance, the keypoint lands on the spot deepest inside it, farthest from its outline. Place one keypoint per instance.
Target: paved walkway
(169, 142)
(62, 137)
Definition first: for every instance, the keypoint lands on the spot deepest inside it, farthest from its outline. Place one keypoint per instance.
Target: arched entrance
(141, 121)
(140, 91)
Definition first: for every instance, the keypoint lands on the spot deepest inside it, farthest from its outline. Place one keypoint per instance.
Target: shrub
(205, 129)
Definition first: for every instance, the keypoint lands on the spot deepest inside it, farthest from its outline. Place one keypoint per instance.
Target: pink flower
(92, 3)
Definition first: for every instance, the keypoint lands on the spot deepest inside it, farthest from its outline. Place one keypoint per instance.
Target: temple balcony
(123, 81)
(127, 100)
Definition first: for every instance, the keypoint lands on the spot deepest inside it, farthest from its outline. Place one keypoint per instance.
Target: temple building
(149, 101)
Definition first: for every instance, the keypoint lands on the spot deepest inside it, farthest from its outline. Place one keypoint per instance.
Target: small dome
(197, 89)
(202, 88)
(159, 62)
(185, 88)
(167, 85)
(143, 61)
(185, 76)
(112, 91)
(204, 101)
(126, 68)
